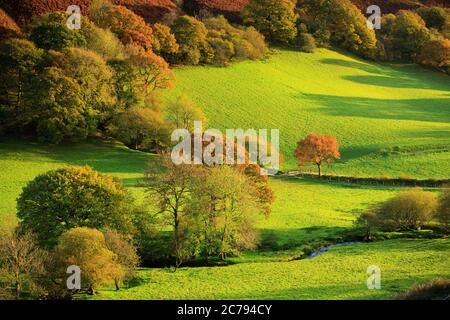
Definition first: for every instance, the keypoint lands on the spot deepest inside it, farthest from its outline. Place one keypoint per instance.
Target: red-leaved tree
(317, 149)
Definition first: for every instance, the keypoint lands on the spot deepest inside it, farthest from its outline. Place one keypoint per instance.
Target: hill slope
(389, 119)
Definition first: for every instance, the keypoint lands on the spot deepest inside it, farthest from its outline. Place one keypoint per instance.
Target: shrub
(438, 289)
(306, 42)
(70, 197)
(407, 211)
(8, 27)
(434, 17)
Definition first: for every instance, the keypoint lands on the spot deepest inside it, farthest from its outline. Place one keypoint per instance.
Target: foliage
(19, 60)
(165, 42)
(126, 254)
(71, 197)
(275, 19)
(51, 32)
(86, 248)
(306, 42)
(182, 113)
(317, 149)
(191, 35)
(140, 128)
(8, 27)
(406, 211)
(436, 54)
(434, 17)
(437, 289)
(22, 265)
(341, 23)
(105, 43)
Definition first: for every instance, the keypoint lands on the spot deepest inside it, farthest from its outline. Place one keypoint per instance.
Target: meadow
(391, 120)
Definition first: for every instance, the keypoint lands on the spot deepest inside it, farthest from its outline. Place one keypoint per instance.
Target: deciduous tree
(317, 149)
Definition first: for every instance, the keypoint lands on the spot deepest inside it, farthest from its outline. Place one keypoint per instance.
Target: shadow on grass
(431, 110)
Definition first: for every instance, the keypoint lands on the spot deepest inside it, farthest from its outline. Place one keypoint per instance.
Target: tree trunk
(116, 283)
(319, 167)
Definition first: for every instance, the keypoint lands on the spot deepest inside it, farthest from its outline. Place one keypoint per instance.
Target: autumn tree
(128, 26)
(317, 149)
(182, 113)
(8, 27)
(86, 248)
(275, 19)
(434, 17)
(22, 265)
(71, 197)
(105, 43)
(151, 71)
(164, 41)
(126, 254)
(436, 54)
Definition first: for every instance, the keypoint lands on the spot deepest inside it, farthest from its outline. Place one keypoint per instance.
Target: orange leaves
(317, 149)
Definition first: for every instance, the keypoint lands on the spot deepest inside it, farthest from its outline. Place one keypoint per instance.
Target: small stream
(325, 249)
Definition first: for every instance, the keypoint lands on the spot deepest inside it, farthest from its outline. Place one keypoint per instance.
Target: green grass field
(391, 120)
(338, 274)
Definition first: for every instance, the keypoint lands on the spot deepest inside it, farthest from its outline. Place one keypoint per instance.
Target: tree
(60, 112)
(436, 54)
(443, 210)
(140, 128)
(407, 210)
(128, 26)
(409, 34)
(341, 23)
(367, 221)
(87, 249)
(170, 190)
(126, 254)
(164, 42)
(19, 60)
(191, 35)
(183, 112)
(105, 43)
(434, 17)
(22, 264)
(275, 19)
(317, 149)
(51, 32)
(224, 216)
(151, 71)
(71, 197)
(95, 78)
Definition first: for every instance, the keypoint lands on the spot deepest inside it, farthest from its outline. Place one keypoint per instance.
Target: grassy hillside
(390, 119)
(337, 274)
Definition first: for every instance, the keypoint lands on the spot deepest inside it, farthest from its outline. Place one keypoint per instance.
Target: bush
(306, 42)
(71, 197)
(434, 17)
(438, 289)
(406, 211)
